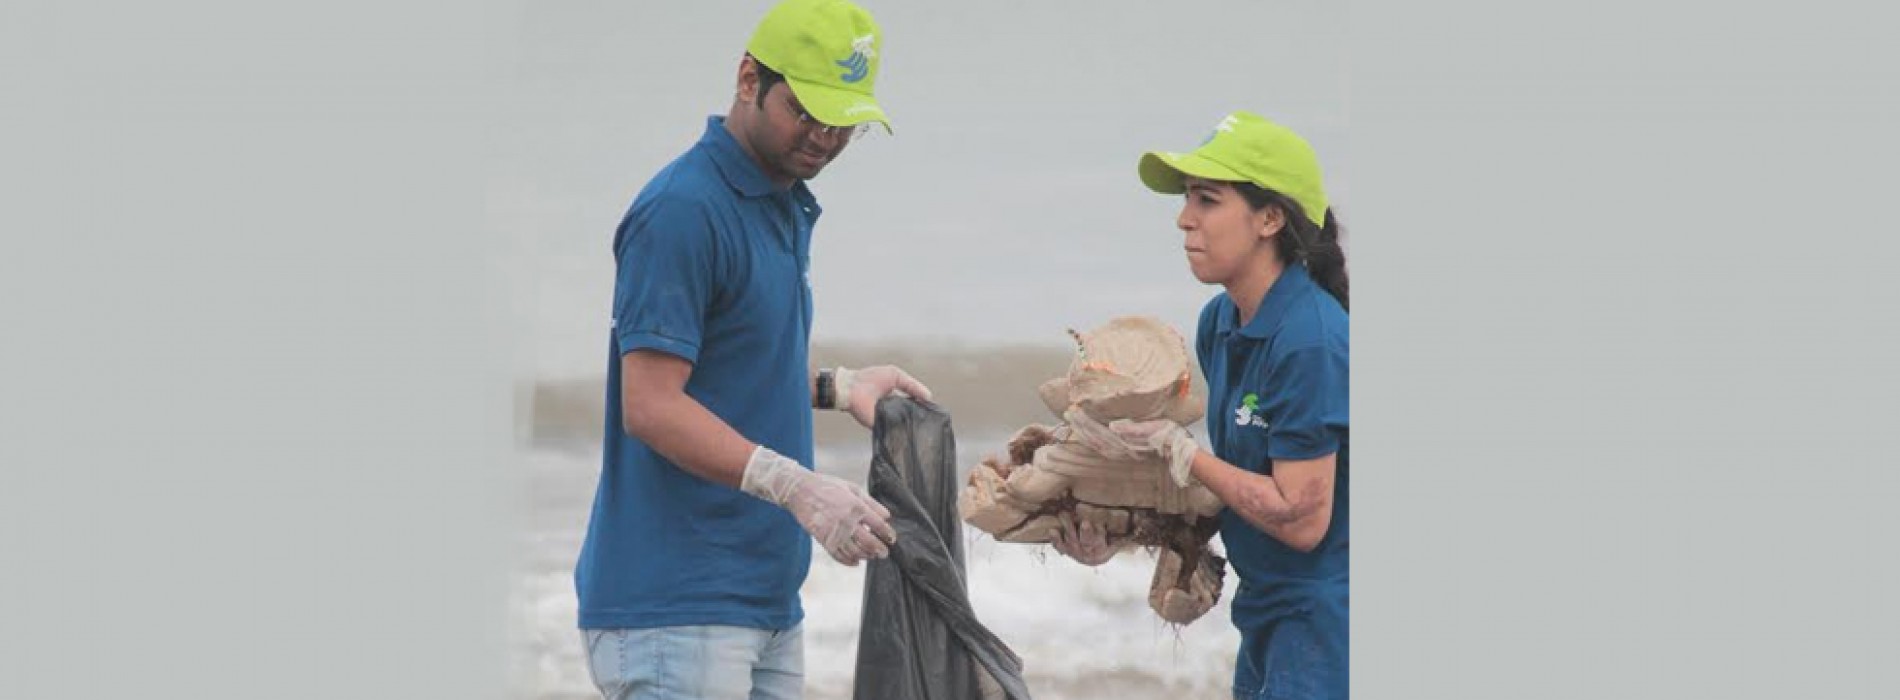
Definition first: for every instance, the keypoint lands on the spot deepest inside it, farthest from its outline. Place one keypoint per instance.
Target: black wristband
(826, 395)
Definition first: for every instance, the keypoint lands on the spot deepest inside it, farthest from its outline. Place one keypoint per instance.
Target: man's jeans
(691, 663)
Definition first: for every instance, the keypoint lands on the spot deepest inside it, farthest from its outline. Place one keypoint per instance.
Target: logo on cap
(1226, 124)
(858, 64)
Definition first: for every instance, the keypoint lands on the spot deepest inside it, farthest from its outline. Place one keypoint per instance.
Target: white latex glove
(1165, 438)
(1087, 544)
(1105, 442)
(859, 390)
(840, 515)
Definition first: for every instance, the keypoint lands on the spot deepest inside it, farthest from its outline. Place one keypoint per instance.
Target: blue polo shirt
(711, 267)
(1277, 389)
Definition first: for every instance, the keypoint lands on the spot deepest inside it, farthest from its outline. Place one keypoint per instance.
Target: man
(707, 505)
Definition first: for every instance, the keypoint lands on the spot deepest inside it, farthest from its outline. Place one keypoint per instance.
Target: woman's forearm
(1297, 519)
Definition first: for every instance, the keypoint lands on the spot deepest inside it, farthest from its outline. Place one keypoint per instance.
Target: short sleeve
(1307, 403)
(665, 258)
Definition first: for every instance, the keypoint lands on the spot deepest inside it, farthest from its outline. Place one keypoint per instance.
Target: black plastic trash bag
(919, 639)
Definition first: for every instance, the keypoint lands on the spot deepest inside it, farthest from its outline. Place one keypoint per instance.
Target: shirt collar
(1293, 284)
(739, 170)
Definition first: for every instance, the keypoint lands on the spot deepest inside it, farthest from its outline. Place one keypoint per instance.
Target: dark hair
(767, 78)
(1302, 241)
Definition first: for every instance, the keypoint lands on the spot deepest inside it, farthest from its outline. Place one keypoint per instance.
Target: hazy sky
(1010, 179)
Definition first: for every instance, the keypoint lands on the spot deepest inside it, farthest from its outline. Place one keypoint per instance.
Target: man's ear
(747, 88)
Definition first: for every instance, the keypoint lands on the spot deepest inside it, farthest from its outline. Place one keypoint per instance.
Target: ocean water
(1079, 630)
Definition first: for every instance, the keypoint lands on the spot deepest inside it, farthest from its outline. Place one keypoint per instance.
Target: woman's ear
(1271, 220)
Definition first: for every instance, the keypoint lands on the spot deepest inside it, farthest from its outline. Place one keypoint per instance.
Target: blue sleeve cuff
(644, 340)
(1315, 448)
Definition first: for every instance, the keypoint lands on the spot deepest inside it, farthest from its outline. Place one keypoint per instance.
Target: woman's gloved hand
(1164, 438)
(1086, 543)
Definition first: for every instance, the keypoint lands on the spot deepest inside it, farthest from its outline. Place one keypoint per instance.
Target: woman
(1273, 347)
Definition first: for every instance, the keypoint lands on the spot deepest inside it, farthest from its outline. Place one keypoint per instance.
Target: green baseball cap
(1245, 147)
(828, 52)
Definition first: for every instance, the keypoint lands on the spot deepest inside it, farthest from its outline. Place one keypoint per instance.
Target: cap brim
(837, 107)
(1165, 172)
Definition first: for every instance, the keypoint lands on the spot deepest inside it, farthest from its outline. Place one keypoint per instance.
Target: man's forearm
(687, 434)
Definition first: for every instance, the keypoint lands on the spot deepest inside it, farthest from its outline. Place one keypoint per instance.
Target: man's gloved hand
(1165, 438)
(1087, 544)
(859, 390)
(840, 515)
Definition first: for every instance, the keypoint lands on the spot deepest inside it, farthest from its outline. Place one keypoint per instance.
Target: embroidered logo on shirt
(1249, 412)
